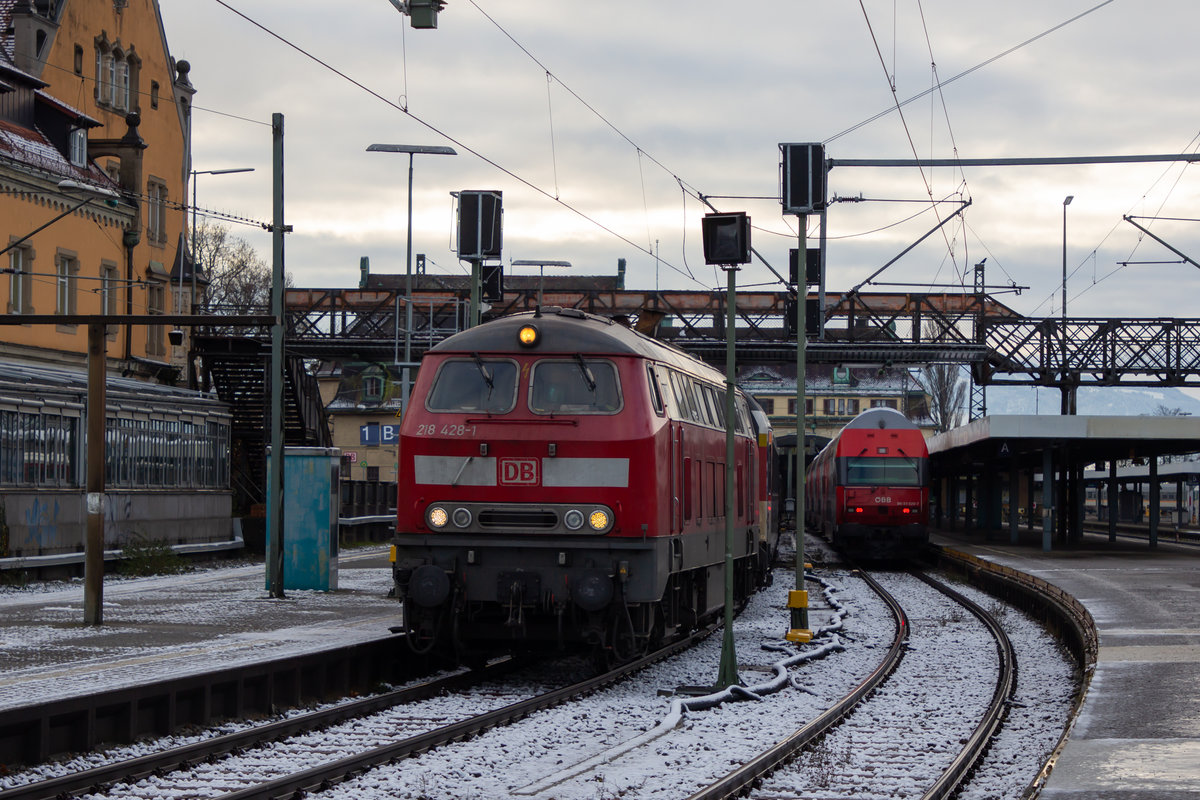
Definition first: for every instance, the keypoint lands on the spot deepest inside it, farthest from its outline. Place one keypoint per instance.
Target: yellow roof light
(528, 336)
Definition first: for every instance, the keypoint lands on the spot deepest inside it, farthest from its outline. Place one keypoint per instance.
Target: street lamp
(1065, 389)
(1066, 202)
(176, 336)
(195, 256)
(89, 193)
(411, 150)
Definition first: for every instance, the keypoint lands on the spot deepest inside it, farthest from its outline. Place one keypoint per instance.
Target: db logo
(519, 472)
(883, 500)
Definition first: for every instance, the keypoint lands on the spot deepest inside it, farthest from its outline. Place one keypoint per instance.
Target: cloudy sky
(602, 123)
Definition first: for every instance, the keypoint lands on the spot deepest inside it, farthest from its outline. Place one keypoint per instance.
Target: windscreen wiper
(587, 373)
(483, 370)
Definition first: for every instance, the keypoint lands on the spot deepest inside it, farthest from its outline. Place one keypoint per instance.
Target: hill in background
(1092, 401)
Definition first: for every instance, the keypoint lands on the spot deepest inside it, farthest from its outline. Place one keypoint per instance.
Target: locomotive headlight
(462, 517)
(598, 519)
(573, 519)
(438, 517)
(528, 335)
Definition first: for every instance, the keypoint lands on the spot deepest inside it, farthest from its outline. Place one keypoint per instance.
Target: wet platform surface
(167, 626)
(1138, 733)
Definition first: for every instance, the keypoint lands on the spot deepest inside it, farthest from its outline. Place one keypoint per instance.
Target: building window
(20, 288)
(156, 201)
(116, 75)
(121, 87)
(830, 406)
(78, 145)
(768, 404)
(154, 94)
(884, 403)
(109, 91)
(372, 386)
(108, 288)
(66, 270)
(373, 473)
(78, 60)
(99, 92)
(808, 406)
(156, 303)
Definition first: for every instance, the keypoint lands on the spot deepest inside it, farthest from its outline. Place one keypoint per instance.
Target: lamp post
(411, 150)
(176, 336)
(195, 255)
(1066, 392)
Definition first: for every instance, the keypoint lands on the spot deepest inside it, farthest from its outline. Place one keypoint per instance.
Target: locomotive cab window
(474, 384)
(576, 386)
(883, 471)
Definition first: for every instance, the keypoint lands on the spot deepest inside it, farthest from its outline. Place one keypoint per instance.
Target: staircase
(236, 369)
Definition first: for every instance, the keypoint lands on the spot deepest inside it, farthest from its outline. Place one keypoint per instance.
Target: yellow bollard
(798, 598)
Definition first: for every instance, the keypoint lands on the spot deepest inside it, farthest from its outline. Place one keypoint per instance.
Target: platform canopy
(1089, 438)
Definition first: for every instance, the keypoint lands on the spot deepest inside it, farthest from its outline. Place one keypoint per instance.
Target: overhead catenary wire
(448, 137)
(685, 187)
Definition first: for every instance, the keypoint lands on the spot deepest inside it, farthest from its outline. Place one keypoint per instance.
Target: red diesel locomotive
(562, 481)
(867, 491)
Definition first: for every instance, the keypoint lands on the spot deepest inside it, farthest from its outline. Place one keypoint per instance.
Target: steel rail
(753, 772)
(954, 777)
(326, 775)
(181, 757)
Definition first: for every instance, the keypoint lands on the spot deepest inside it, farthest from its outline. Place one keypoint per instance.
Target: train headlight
(598, 519)
(438, 517)
(573, 519)
(528, 336)
(461, 517)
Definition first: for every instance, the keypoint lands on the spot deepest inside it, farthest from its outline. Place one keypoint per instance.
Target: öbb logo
(519, 472)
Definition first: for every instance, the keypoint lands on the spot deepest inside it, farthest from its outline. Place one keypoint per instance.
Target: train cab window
(474, 384)
(882, 471)
(576, 386)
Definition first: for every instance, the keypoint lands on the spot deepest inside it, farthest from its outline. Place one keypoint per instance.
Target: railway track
(769, 776)
(514, 762)
(243, 765)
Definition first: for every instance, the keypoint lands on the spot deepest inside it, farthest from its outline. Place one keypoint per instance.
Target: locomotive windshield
(475, 384)
(882, 471)
(579, 386)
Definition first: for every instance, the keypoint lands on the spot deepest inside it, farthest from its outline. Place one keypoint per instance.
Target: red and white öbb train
(562, 481)
(867, 491)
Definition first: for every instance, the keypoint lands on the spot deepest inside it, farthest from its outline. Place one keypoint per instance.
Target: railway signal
(727, 244)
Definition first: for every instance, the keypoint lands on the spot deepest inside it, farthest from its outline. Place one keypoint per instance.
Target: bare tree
(239, 279)
(947, 393)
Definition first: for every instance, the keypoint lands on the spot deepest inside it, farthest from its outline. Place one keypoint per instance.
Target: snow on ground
(535, 757)
(159, 627)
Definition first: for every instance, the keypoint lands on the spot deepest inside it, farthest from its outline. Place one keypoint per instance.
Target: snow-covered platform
(1138, 733)
(167, 626)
